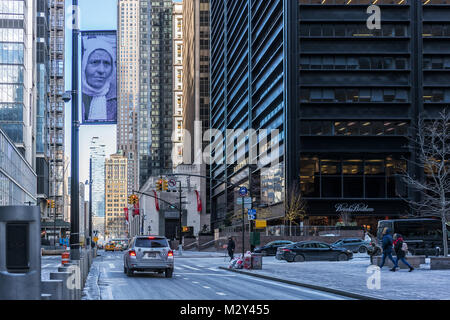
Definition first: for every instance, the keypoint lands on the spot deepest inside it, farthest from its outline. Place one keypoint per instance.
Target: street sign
(251, 214)
(247, 205)
(247, 200)
(243, 191)
(172, 184)
(260, 224)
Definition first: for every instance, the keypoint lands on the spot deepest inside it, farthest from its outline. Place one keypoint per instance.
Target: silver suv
(148, 254)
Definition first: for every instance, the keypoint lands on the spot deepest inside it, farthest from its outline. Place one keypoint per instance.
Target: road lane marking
(206, 287)
(195, 282)
(309, 291)
(220, 293)
(211, 274)
(192, 268)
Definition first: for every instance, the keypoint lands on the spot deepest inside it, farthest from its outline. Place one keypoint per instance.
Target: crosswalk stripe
(192, 268)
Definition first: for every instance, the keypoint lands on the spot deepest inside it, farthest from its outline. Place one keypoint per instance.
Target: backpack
(404, 247)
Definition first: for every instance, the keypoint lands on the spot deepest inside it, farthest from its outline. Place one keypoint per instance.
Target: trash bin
(257, 261)
(20, 253)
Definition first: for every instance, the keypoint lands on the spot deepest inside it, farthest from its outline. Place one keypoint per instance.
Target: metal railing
(295, 231)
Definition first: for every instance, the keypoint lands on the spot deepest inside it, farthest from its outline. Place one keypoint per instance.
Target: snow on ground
(352, 276)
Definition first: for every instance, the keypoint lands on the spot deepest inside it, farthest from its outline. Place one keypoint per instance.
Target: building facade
(128, 84)
(17, 81)
(196, 86)
(178, 81)
(55, 111)
(155, 91)
(342, 96)
(116, 186)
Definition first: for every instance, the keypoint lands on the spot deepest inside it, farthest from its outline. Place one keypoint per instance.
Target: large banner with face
(98, 77)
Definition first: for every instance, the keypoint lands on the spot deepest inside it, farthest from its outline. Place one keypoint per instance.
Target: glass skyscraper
(156, 77)
(343, 97)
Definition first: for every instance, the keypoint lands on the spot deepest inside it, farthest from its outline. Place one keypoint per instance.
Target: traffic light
(165, 185)
(185, 229)
(49, 203)
(53, 203)
(133, 199)
(159, 185)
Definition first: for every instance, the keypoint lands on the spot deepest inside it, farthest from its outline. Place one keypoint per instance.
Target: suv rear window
(151, 243)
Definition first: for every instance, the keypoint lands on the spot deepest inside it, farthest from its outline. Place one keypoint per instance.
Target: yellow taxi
(110, 247)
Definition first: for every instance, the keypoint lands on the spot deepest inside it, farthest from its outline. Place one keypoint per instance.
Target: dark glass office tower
(346, 96)
(155, 107)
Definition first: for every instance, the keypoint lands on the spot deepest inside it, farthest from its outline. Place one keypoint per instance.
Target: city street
(193, 279)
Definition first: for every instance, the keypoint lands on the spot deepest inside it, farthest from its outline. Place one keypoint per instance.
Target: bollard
(53, 287)
(74, 280)
(63, 276)
(46, 296)
(76, 266)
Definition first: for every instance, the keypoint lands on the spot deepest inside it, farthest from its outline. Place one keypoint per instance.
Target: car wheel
(342, 257)
(362, 249)
(169, 273)
(299, 258)
(130, 272)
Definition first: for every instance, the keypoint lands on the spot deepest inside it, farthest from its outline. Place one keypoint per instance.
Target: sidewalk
(351, 276)
(198, 254)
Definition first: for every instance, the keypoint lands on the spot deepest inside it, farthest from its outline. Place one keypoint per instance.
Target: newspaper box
(257, 261)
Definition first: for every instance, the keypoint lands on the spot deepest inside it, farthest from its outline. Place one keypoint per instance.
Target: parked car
(270, 249)
(148, 254)
(353, 244)
(312, 251)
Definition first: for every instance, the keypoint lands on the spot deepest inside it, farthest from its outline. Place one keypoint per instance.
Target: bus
(423, 236)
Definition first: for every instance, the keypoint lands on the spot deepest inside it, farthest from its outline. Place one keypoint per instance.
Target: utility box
(20, 253)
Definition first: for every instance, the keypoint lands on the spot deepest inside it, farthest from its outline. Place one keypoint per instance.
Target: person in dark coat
(401, 254)
(387, 243)
(230, 247)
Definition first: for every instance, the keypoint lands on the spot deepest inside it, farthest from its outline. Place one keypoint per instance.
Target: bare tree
(294, 207)
(345, 219)
(432, 144)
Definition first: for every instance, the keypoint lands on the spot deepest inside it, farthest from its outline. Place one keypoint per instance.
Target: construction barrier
(65, 258)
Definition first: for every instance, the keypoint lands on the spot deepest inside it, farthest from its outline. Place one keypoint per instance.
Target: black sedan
(270, 249)
(312, 251)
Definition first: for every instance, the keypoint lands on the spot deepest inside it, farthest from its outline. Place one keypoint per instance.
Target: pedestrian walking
(400, 248)
(230, 247)
(387, 244)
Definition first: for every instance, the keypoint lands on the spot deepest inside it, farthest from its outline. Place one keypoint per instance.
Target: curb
(309, 286)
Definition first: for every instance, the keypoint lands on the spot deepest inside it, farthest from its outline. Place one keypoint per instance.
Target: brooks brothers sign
(353, 207)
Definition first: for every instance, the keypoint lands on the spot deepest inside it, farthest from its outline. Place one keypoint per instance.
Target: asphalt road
(193, 279)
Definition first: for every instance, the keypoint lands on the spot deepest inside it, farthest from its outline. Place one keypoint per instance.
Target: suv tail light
(132, 253)
(170, 254)
(285, 250)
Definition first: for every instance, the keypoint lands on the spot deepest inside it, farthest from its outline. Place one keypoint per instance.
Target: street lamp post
(75, 192)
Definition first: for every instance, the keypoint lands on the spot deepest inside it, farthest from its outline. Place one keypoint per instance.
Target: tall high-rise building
(177, 137)
(116, 184)
(42, 104)
(155, 92)
(128, 87)
(196, 99)
(17, 75)
(342, 96)
(55, 123)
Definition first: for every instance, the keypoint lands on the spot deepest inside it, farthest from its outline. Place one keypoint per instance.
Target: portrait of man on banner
(98, 79)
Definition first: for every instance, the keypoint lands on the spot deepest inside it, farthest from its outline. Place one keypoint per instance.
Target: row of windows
(351, 178)
(353, 95)
(354, 63)
(353, 128)
(353, 30)
(365, 2)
